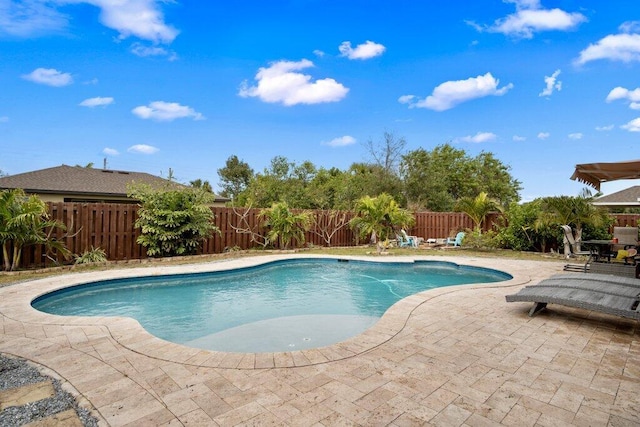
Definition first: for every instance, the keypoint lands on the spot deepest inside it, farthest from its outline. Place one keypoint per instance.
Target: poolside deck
(451, 356)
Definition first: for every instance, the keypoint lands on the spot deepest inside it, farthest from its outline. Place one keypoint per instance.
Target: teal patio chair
(404, 241)
(457, 241)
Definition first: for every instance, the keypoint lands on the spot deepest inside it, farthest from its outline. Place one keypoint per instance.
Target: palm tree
(477, 208)
(380, 216)
(284, 224)
(24, 221)
(203, 185)
(573, 211)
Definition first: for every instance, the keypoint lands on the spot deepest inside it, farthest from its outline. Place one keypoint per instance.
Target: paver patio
(452, 356)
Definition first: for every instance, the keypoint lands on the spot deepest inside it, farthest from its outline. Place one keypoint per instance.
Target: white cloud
(552, 83)
(479, 137)
(632, 126)
(30, 18)
(318, 53)
(49, 77)
(139, 18)
(531, 18)
(624, 46)
(143, 149)
(282, 83)
(575, 136)
(143, 51)
(544, 135)
(112, 151)
(365, 50)
(449, 94)
(604, 128)
(166, 111)
(96, 102)
(633, 96)
(518, 138)
(341, 141)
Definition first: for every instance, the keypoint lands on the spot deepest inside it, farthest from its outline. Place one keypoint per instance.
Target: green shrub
(92, 255)
(483, 241)
(173, 221)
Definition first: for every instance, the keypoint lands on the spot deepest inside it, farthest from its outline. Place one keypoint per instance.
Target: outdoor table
(600, 250)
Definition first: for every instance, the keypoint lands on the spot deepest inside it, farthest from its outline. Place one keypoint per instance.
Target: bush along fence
(110, 227)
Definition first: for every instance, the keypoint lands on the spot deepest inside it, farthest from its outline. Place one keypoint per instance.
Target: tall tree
(387, 152)
(235, 176)
(203, 185)
(437, 179)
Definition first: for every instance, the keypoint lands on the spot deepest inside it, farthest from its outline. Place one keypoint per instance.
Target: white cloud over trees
(143, 149)
(365, 50)
(140, 18)
(632, 126)
(166, 111)
(624, 47)
(633, 96)
(552, 84)
(49, 77)
(449, 94)
(341, 141)
(479, 137)
(282, 82)
(97, 102)
(530, 17)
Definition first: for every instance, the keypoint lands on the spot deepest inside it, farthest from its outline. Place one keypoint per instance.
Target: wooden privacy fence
(110, 226)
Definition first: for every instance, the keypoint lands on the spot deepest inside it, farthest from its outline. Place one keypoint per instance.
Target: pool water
(280, 306)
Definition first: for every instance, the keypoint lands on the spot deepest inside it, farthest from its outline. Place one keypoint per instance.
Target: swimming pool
(279, 306)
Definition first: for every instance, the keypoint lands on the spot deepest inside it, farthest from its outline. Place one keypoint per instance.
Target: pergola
(596, 173)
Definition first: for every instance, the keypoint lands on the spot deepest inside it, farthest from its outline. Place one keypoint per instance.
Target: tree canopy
(420, 179)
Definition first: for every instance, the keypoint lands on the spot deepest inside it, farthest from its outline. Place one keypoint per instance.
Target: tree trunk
(567, 248)
(17, 253)
(578, 239)
(5, 254)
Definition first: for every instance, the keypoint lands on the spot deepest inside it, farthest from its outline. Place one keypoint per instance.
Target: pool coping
(131, 335)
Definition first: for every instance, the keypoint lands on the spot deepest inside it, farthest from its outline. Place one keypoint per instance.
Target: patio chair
(404, 241)
(571, 243)
(414, 239)
(627, 238)
(457, 241)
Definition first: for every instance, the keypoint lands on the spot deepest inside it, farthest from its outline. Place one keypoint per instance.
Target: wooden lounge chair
(615, 295)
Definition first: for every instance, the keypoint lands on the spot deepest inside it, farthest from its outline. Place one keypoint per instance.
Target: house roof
(79, 180)
(626, 197)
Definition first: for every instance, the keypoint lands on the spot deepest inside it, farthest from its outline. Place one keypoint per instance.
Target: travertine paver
(451, 356)
(29, 393)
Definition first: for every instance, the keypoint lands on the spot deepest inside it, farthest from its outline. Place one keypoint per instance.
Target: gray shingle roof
(78, 180)
(627, 197)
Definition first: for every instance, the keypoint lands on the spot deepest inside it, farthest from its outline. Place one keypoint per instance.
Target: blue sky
(152, 85)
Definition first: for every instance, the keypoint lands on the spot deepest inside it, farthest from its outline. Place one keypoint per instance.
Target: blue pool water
(280, 306)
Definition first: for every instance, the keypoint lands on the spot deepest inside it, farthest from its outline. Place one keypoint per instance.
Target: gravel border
(16, 372)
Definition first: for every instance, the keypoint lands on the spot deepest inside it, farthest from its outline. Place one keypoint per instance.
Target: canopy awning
(596, 173)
